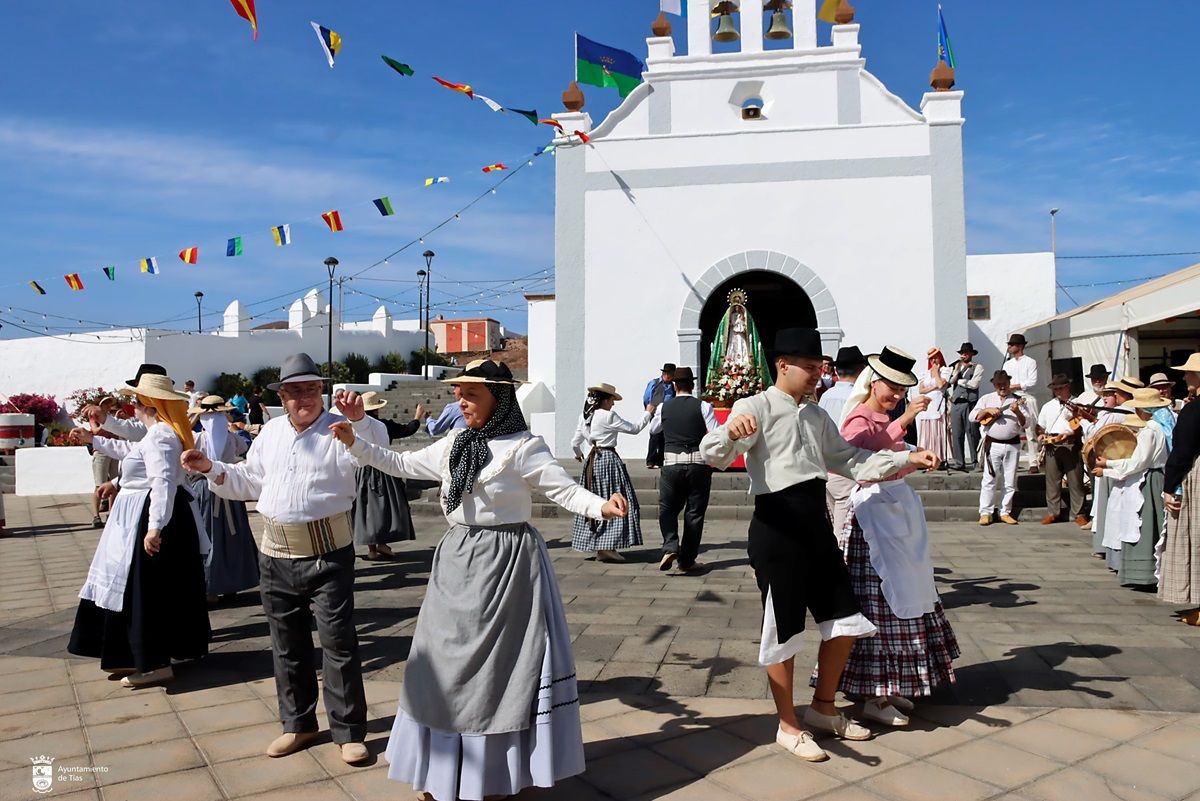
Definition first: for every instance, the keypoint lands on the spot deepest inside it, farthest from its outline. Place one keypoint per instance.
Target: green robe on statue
(737, 340)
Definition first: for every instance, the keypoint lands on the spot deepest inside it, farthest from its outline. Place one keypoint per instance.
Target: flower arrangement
(44, 408)
(88, 396)
(733, 381)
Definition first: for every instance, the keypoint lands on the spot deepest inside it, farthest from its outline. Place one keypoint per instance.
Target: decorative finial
(573, 98)
(845, 13)
(661, 25)
(942, 77)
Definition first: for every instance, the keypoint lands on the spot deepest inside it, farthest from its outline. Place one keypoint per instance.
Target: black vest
(683, 424)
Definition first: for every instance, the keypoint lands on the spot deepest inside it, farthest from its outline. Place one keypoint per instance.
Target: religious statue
(737, 366)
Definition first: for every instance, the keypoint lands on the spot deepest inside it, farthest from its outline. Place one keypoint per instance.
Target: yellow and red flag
(553, 122)
(457, 87)
(74, 281)
(245, 10)
(333, 219)
(494, 167)
(190, 255)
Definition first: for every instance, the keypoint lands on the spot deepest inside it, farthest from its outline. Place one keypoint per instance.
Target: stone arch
(689, 333)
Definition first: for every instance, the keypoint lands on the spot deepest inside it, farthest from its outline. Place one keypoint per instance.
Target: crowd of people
(489, 704)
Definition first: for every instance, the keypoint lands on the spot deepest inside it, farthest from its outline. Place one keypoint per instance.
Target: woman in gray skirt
(381, 511)
(604, 474)
(489, 704)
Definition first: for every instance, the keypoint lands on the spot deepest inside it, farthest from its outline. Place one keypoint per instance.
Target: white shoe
(802, 745)
(609, 556)
(837, 724)
(882, 711)
(160, 676)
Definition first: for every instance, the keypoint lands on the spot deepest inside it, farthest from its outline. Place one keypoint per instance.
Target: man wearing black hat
(1097, 378)
(790, 444)
(658, 392)
(848, 364)
(686, 480)
(964, 392)
(1023, 372)
(1060, 441)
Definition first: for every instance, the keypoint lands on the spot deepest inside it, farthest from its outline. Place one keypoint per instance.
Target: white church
(789, 172)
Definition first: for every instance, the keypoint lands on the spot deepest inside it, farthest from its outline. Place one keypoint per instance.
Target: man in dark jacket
(658, 392)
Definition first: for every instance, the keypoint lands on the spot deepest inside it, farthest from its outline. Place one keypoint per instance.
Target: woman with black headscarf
(489, 703)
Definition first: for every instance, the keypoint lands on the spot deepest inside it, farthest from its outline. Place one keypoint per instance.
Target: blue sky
(130, 130)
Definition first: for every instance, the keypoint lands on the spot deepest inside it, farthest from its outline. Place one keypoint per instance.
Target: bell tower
(749, 27)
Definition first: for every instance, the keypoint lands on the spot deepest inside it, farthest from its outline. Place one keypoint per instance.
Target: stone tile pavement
(1069, 687)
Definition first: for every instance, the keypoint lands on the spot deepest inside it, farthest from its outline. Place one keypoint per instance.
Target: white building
(793, 174)
(60, 365)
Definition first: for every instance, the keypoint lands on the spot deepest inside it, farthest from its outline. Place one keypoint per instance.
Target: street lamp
(199, 296)
(330, 264)
(429, 254)
(1053, 231)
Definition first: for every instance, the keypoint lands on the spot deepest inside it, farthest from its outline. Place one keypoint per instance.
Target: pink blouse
(875, 431)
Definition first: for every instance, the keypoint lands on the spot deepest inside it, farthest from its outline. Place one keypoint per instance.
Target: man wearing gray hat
(304, 482)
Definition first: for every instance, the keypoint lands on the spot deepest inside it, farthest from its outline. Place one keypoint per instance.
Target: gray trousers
(294, 592)
(960, 427)
(1063, 461)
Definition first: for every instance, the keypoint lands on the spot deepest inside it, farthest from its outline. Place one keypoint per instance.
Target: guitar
(988, 417)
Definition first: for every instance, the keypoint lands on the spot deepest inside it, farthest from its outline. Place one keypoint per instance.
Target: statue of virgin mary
(737, 344)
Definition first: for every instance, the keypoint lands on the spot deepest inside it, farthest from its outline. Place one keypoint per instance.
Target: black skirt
(795, 555)
(164, 615)
(381, 510)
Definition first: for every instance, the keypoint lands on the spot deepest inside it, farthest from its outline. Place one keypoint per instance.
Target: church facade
(790, 174)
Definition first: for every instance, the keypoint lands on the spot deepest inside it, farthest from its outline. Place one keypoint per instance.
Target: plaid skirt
(608, 476)
(933, 436)
(907, 657)
(1179, 549)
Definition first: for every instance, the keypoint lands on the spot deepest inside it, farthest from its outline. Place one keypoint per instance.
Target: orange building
(469, 335)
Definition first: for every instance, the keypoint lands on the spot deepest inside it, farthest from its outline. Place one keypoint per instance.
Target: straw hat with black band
(607, 389)
(1148, 399)
(211, 404)
(158, 387)
(1160, 379)
(893, 364)
(1127, 384)
(485, 371)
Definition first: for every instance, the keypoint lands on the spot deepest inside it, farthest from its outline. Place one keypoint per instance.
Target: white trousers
(1031, 416)
(1003, 461)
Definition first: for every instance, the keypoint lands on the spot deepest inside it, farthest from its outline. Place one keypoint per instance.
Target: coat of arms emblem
(43, 773)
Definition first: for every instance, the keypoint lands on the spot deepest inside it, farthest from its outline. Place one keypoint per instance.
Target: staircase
(403, 397)
(947, 497)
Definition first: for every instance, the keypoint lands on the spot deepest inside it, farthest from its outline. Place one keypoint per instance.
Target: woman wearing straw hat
(605, 474)
(1135, 504)
(489, 703)
(381, 511)
(143, 602)
(232, 564)
(1179, 556)
(887, 555)
(933, 424)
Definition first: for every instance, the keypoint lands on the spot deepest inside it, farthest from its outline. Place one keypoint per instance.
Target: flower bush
(88, 396)
(733, 381)
(44, 408)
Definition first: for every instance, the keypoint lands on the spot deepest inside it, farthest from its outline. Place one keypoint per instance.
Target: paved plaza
(1069, 686)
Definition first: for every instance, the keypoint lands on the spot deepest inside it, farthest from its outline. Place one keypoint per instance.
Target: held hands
(344, 433)
(195, 461)
(80, 436)
(153, 542)
(94, 414)
(927, 459)
(349, 405)
(742, 426)
(419, 412)
(650, 407)
(617, 506)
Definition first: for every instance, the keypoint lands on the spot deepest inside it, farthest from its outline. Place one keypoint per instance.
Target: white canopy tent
(1135, 332)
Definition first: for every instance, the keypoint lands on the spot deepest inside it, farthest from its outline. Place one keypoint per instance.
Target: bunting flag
(189, 255)
(245, 10)
(74, 281)
(828, 12)
(532, 116)
(945, 51)
(600, 65)
(457, 87)
(282, 234)
(492, 104)
(36, 287)
(384, 204)
(544, 149)
(399, 67)
(439, 180)
(233, 247)
(111, 272)
(333, 219)
(149, 266)
(331, 43)
(497, 167)
(676, 7)
(584, 137)
(554, 122)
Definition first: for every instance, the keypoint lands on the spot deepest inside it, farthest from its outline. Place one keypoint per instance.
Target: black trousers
(960, 427)
(294, 591)
(654, 455)
(1064, 461)
(683, 488)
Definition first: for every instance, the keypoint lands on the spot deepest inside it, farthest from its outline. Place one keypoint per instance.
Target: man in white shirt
(304, 482)
(1097, 378)
(1024, 373)
(1060, 439)
(1001, 417)
(848, 364)
(964, 394)
(189, 388)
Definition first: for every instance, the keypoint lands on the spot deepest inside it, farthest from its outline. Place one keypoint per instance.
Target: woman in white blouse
(605, 474)
(489, 703)
(143, 603)
(933, 425)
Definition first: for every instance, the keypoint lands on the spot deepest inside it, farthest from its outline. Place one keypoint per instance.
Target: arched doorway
(774, 302)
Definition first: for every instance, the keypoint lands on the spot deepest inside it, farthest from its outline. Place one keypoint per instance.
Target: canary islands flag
(149, 266)
(282, 234)
(331, 42)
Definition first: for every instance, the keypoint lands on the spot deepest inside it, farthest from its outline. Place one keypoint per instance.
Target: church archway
(782, 292)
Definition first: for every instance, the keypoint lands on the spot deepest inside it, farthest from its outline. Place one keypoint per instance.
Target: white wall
(541, 342)
(59, 366)
(1022, 289)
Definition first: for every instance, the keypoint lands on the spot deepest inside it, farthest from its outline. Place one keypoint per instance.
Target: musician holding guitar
(1002, 416)
(1058, 434)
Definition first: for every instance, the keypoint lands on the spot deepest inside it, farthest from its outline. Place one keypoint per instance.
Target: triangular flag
(497, 167)
(584, 137)
(282, 234)
(555, 123)
(333, 219)
(457, 87)
(828, 12)
(384, 204)
(439, 180)
(74, 281)
(234, 247)
(111, 272)
(492, 104)
(532, 116)
(149, 266)
(399, 67)
(543, 150)
(331, 42)
(245, 10)
(189, 255)
(37, 287)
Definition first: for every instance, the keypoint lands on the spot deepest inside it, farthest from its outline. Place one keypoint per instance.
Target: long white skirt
(449, 765)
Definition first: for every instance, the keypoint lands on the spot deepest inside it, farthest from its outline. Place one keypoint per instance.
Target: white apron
(1123, 519)
(893, 524)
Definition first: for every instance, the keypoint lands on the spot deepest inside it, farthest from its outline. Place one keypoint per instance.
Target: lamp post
(421, 274)
(1054, 232)
(429, 254)
(199, 296)
(330, 264)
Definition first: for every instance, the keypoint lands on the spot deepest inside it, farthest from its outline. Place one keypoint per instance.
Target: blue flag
(945, 51)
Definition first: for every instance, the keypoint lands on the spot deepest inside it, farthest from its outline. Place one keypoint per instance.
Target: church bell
(726, 30)
(779, 26)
